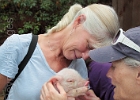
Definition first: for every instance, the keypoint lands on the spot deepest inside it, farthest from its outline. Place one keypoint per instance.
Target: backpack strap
(23, 63)
(28, 55)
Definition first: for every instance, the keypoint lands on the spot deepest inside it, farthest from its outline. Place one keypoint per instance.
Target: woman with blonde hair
(79, 31)
(65, 45)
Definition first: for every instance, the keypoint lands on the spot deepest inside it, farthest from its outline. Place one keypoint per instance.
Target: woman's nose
(109, 73)
(85, 55)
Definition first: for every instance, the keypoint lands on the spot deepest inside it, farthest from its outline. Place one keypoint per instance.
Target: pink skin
(126, 81)
(72, 82)
(74, 48)
(87, 83)
(72, 42)
(75, 55)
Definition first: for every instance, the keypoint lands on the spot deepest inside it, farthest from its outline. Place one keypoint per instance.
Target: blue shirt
(37, 71)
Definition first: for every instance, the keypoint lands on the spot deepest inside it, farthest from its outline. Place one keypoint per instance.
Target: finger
(41, 97)
(52, 83)
(55, 78)
(60, 88)
(44, 92)
(90, 95)
(51, 88)
(48, 91)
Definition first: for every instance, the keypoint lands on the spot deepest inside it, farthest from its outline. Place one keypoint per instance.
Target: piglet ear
(86, 83)
(56, 78)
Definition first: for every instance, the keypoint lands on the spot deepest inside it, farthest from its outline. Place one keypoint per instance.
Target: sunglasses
(120, 37)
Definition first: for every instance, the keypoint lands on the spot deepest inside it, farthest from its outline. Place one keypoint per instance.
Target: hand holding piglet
(67, 83)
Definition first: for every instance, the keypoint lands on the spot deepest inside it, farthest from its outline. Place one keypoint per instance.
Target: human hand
(49, 92)
(90, 95)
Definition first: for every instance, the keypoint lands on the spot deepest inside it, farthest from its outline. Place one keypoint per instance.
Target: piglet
(72, 82)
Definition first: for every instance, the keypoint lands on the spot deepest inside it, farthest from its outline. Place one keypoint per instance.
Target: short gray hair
(131, 62)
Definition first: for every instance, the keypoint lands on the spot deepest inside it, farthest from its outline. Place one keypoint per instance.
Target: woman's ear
(79, 20)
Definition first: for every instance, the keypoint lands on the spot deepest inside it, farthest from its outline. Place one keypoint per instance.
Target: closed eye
(70, 81)
(113, 67)
(89, 47)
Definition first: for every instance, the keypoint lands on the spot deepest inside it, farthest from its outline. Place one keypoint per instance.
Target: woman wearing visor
(124, 53)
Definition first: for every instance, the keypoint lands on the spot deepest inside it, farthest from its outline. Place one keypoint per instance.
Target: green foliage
(32, 26)
(23, 16)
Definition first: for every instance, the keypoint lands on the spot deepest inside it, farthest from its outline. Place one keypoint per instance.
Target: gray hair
(131, 62)
(101, 21)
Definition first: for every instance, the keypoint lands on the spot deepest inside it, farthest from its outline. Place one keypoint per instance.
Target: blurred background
(36, 16)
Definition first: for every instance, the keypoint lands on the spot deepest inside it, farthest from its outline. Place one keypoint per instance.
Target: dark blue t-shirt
(99, 82)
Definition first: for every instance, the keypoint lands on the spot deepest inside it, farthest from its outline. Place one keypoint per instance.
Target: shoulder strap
(28, 55)
(23, 63)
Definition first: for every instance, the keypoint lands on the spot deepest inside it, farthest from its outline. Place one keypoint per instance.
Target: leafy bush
(23, 16)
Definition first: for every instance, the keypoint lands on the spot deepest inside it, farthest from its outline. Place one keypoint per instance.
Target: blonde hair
(101, 21)
(67, 19)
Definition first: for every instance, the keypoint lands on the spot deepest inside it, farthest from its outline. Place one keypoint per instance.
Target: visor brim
(105, 54)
